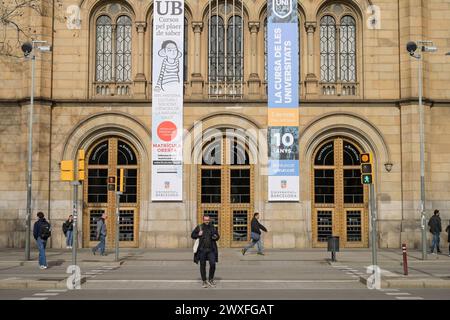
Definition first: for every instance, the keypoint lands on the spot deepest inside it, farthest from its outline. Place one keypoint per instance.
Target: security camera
(411, 47)
(27, 47)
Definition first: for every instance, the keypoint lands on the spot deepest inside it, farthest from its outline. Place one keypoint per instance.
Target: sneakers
(243, 251)
(205, 284)
(260, 253)
(42, 267)
(93, 252)
(212, 283)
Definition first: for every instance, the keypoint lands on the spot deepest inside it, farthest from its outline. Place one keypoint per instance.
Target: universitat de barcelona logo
(282, 8)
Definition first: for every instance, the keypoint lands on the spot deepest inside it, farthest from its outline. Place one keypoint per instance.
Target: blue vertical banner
(283, 100)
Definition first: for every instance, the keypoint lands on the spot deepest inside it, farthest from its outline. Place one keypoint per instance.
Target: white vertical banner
(167, 100)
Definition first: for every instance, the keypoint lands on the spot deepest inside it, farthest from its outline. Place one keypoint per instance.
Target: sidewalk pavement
(282, 267)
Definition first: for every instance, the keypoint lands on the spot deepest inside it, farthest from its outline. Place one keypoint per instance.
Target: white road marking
(46, 294)
(409, 298)
(34, 298)
(389, 289)
(398, 294)
(227, 281)
(56, 290)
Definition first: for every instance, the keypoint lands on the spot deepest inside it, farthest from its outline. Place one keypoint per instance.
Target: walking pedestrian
(435, 229)
(448, 239)
(41, 233)
(68, 231)
(255, 234)
(207, 250)
(101, 235)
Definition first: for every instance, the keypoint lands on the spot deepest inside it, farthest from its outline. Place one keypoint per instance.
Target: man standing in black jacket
(256, 228)
(41, 233)
(435, 229)
(207, 249)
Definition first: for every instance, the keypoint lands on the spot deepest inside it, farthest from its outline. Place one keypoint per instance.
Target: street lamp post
(411, 47)
(27, 49)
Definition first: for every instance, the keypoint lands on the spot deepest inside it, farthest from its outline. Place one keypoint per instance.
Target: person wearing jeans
(256, 228)
(101, 235)
(435, 228)
(68, 231)
(42, 258)
(41, 235)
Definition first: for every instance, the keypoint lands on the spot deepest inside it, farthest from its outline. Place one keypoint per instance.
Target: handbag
(196, 243)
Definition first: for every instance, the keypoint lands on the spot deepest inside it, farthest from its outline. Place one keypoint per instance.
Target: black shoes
(93, 252)
(243, 251)
(260, 253)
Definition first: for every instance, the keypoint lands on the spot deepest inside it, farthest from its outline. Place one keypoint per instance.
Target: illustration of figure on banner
(170, 66)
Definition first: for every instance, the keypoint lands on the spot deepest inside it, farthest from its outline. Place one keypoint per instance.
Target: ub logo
(282, 8)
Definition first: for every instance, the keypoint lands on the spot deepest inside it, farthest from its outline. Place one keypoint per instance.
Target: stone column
(311, 81)
(139, 79)
(196, 76)
(254, 83)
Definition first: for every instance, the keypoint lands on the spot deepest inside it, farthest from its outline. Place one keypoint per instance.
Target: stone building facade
(358, 93)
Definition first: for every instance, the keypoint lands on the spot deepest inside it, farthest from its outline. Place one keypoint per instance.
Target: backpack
(65, 227)
(45, 231)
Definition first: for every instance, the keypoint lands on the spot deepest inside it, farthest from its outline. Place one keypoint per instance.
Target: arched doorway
(104, 159)
(225, 188)
(339, 200)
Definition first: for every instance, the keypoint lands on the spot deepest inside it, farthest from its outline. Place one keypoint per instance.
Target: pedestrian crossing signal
(366, 168)
(112, 183)
(367, 179)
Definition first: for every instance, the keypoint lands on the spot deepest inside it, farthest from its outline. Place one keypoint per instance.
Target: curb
(411, 283)
(9, 264)
(35, 284)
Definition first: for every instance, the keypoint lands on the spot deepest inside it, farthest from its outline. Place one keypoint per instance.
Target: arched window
(328, 49)
(125, 154)
(347, 49)
(225, 49)
(103, 62)
(216, 50)
(338, 49)
(113, 44)
(234, 48)
(123, 52)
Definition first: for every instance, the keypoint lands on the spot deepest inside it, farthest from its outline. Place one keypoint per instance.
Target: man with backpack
(41, 233)
(256, 228)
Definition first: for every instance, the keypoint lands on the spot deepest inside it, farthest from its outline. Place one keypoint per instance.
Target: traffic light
(67, 170)
(122, 182)
(81, 174)
(366, 168)
(112, 183)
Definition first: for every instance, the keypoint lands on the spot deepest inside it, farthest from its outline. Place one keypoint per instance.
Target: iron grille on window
(337, 58)
(225, 49)
(328, 49)
(104, 49)
(113, 50)
(123, 45)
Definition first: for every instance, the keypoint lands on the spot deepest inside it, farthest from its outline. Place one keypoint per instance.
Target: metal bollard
(405, 260)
